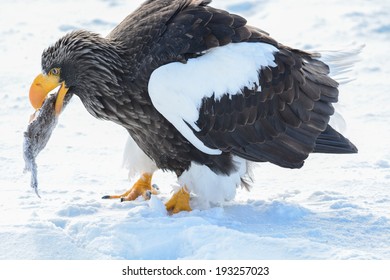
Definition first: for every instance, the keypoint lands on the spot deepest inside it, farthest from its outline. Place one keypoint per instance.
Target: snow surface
(336, 207)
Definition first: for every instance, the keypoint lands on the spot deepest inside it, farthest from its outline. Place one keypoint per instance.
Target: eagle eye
(54, 71)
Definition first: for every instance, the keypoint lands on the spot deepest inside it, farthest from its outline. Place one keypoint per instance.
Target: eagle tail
(332, 142)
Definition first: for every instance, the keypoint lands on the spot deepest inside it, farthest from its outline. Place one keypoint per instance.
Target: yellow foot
(180, 201)
(143, 187)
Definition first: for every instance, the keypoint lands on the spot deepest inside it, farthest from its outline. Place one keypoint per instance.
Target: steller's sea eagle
(201, 94)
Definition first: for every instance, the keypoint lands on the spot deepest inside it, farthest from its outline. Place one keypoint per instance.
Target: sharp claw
(148, 195)
(122, 199)
(155, 187)
(106, 197)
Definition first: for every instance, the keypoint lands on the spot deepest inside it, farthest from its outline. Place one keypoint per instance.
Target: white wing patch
(177, 89)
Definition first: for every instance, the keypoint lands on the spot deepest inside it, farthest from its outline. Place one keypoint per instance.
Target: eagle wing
(229, 87)
(278, 121)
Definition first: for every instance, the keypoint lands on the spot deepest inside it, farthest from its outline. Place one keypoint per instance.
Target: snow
(335, 207)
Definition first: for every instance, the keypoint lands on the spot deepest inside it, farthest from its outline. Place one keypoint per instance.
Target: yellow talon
(143, 187)
(180, 201)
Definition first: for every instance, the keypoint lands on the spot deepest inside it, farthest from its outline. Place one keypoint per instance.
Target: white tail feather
(341, 62)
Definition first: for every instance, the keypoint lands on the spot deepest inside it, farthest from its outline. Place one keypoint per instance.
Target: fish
(37, 135)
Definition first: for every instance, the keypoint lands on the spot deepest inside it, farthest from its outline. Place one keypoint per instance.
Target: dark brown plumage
(282, 119)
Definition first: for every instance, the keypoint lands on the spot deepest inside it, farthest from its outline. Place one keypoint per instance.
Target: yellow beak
(41, 87)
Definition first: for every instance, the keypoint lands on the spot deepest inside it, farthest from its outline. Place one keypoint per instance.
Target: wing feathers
(278, 121)
(330, 141)
(276, 111)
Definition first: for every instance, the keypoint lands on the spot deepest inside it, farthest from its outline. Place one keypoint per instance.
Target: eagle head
(81, 63)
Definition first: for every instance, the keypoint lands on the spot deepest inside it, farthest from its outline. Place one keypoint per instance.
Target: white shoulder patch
(177, 89)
